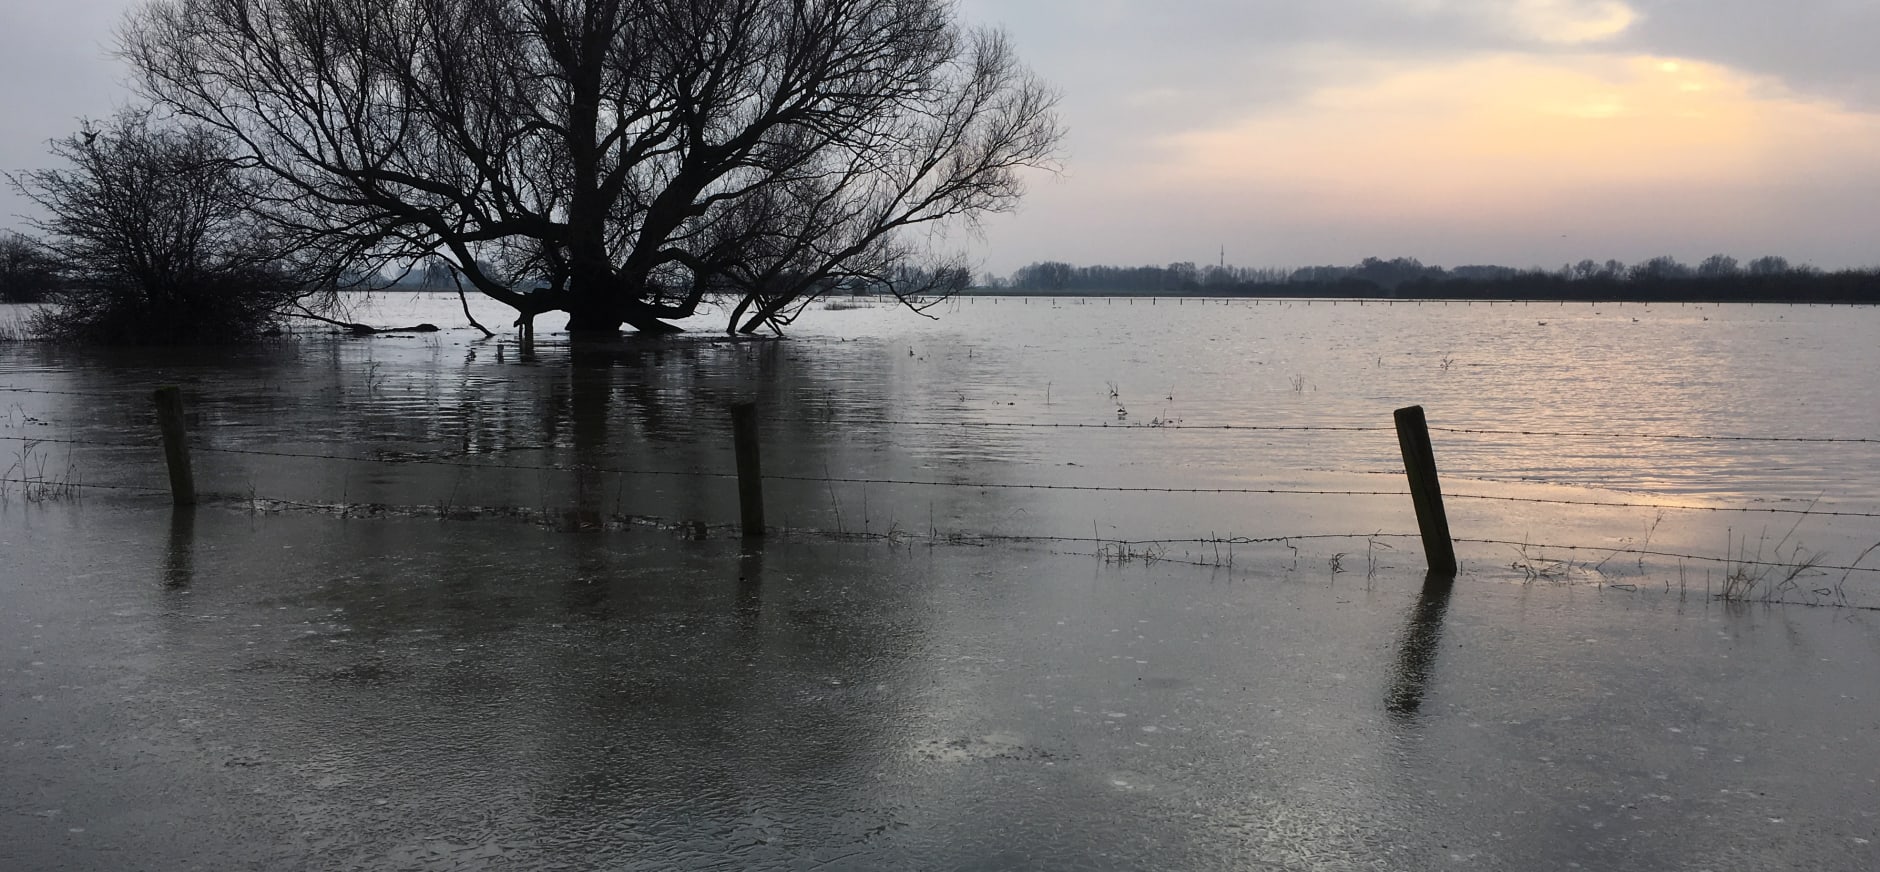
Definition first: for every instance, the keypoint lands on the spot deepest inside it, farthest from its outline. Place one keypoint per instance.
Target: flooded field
(1667, 445)
(1051, 584)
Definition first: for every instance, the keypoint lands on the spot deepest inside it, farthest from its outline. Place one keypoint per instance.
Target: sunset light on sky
(1527, 133)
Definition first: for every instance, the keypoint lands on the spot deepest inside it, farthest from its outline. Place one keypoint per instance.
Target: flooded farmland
(1079, 583)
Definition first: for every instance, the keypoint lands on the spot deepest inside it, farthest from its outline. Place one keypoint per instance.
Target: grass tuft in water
(27, 476)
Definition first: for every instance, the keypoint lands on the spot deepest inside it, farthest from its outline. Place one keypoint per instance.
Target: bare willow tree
(634, 158)
(150, 226)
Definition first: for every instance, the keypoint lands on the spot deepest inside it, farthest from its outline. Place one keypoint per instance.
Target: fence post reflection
(179, 562)
(750, 595)
(1416, 653)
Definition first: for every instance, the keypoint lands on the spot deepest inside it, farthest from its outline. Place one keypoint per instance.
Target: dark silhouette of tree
(28, 273)
(152, 230)
(1217, 276)
(1472, 273)
(629, 159)
(1183, 277)
(1659, 268)
(435, 273)
(1047, 276)
(1388, 274)
(1718, 266)
(1770, 265)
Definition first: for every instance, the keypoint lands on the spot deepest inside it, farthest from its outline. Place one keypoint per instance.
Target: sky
(1298, 132)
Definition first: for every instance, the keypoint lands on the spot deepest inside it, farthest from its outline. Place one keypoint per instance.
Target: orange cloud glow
(1515, 132)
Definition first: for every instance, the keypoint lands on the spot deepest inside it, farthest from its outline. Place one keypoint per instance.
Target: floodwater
(446, 607)
(1091, 421)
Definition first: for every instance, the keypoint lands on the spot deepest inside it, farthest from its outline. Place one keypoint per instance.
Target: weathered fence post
(1419, 460)
(750, 471)
(175, 449)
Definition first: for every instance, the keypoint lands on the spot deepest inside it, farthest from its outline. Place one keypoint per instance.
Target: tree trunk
(601, 319)
(766, 312)
(737, 314)
(591, 322)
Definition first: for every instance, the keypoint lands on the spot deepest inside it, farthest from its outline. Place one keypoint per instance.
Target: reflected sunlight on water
(1179, 394)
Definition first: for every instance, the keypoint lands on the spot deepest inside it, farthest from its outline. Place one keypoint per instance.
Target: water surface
(450, 607)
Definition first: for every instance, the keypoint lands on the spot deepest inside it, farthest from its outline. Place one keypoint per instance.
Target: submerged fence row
(966, 485)
(1159, 427)
(1414, 435)
(1123, 547)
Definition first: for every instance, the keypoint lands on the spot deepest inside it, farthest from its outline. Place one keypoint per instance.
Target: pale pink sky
(1522, 132)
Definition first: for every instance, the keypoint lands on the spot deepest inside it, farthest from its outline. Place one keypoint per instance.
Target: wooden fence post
(1419, 460)
(750, 470)
(175, 447)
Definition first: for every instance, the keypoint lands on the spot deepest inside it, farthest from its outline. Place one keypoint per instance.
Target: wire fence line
(1129, 547)
(1672, 437)
(39, 487)
(110, 395)
(1228, 427)
(61, 484)
(1274, 428)
(1672, 555)
(1764, 510)
(970, 485)
(1118, 426)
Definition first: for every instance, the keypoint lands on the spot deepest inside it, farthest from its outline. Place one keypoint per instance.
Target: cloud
(1339, 125)
(1242, 53)
(1471, 127)
(1527, 159)
(1821, 47)
(1507, 125)
(1570, 22)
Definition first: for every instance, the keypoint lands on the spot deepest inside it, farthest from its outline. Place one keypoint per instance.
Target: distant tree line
(1718, 278)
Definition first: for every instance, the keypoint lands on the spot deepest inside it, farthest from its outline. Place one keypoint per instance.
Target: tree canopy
(151, 235)
(627, 160)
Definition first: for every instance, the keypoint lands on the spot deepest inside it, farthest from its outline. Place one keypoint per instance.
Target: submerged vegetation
(151, 238)
(625, 163)
(628, 164)
(27, 476)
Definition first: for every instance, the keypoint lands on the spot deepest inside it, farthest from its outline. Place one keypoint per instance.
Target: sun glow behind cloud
(1570, 22)
(1459, 131)
(1514, 133)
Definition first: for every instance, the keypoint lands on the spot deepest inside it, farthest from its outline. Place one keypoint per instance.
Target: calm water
(877, 393)
(582, 667)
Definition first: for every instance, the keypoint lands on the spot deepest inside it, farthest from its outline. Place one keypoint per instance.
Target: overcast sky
(1293, 132)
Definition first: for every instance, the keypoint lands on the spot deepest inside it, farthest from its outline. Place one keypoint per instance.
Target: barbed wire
(1646, 552)
(1280, 428)
(1037, 425)
(1086, 488)
(1824, 440)
(1230, 427)
(1771, 510)
(94, 443)
(824, 479)
(106, 394)
(60, 484)
(1126, 546)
